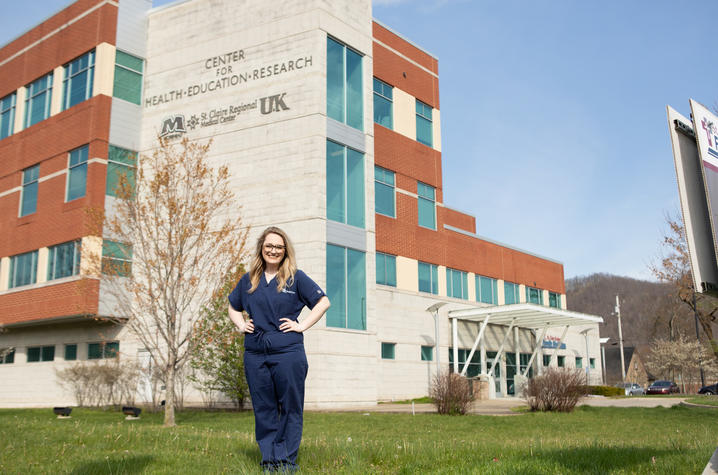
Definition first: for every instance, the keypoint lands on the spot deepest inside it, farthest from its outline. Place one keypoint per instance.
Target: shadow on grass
(605, 459)
(114, 465)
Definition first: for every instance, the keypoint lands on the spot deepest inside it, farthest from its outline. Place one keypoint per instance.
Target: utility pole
(620, 339)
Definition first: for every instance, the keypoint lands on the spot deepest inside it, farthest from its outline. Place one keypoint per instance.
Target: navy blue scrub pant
(276, 384)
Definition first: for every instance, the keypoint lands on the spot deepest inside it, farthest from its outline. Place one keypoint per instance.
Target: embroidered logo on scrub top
(287, 291)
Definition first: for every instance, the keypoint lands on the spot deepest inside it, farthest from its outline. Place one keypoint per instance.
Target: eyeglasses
(274, 247)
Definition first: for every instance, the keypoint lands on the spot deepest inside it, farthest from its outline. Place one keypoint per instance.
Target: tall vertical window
(428, 278)
(7, 115)
(546, 360)
(77, 173)
(384, 201)
(385, 269)
(37, 103)
(427, 205)
(524, 359)
(592, 363)
(346, 288)
(30, 181)
(579, 362)
(561, 361)
(511, 293)
(383, 97)
(63, 260)
(554, 300)
(424, 132)
(79, 76)
(487, 290)
(457, 284)
(70, 352)
(121, 166)
(344, 84)
(534, 295)
(116, 258)
(128, 78)
(345, 185)
(23, 269)
(388, 351)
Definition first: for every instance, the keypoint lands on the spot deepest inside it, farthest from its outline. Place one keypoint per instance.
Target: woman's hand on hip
(289, 325)
(248, 326)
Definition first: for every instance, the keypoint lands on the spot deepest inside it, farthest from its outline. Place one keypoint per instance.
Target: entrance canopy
(526, 315)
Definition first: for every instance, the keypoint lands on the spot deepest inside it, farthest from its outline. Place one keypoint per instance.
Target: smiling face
(273, 251)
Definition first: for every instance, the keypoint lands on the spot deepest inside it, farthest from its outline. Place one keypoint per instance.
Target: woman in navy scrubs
(273, 293)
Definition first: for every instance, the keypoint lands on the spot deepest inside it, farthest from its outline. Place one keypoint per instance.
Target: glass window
(457, 284)
(23, 269)
(554, 300)
(345, 185)
(7, 115)
(487, 290)
(511, 293)
(116, 258)
(524, 359)
(424, 133)
(77, 173)
(346, 288)
(428, 278)
(70, 352)
(387, 351)
(79, 76)
(9, 356)
(427, 353)
(63, 260)
(426, 202)
(385, 269)
(30, 183)
(40, 353)
(561, 361)
(128, 78)
(37, 102)
(534, 295)
(579, 362)
(592, 363)
(474, 368)
(383, 97)
(121, 165)
(96, 351)
(384, 197)
(546, 360)
(344, 84)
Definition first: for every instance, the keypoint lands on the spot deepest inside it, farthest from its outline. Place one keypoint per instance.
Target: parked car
(710, 390)
(662, 387)
(632, 389)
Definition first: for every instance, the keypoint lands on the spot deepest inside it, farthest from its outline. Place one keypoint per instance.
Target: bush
(605, 391)
(101, 382)
(558, 389)
(451, 393)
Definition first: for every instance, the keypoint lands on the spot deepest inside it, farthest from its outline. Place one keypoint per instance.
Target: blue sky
(554, 130)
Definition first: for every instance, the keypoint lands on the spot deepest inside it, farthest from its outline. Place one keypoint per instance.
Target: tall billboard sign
(695, 155)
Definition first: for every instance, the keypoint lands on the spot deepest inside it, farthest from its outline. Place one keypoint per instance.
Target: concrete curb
(692, 404)
(712, 466)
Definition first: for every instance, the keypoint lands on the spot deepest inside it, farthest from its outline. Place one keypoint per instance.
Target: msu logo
(173, 126)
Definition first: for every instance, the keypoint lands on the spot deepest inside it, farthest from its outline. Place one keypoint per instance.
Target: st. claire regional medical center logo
(711, 131)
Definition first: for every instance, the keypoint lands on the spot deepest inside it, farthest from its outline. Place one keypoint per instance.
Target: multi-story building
(330, 125)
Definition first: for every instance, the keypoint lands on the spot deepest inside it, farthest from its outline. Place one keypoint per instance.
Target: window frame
(423, 118)
(493, 299)
(381, 176)
(433, 277)
(70, 77)
(30, 184)
(383, 261)
(52, 273)
(40, 354)
(7, 114)
(422, 197)
(12, 281)
(106, 350)
(427, 353)
(69, 353)
(539, 293)
(129, 69)
(32, 95)
(557, 299)
(353, 212)
(129, 164)
(116, 258)
(76, 169)
(463, 276)
(388, 351)
(381, 95)
(353, 272)
(355, 117)
(515, 293)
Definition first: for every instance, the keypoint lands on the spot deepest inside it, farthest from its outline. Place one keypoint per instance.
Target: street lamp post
(434, 310)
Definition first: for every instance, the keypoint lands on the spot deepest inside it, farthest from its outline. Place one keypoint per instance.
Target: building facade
(330, 125)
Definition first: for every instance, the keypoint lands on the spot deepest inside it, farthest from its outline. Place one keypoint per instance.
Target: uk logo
(173, 126)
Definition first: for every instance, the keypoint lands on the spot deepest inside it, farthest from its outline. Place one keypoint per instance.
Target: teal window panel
(121, 168)
(546, 360)
(355, 188)
(345, 185)
(7, 115)
(336, 286)
(30, 183)
(128, 78)
(457, 284)
(384, 192)
(77, 173)
(428, 278)
(335, 80)
(554, 300)
(426, 205)
(474, 367)
(511, 293)
(23, 269)
(356, 280)
(388, 351)
(579, 362)
(561, 361)
(63, 260)
(94, 351)
(70, 352)
(592, 363)
(486, 290)
(102, 350)
(385, 269)
(424, 126)
(344, 84)
(355, 103)
(346, 288)
(38, 100)
(523, 363)
(40, 353)
(383, 100)
(79, 79)
(534, 295)
(116, 258)
(427, 353)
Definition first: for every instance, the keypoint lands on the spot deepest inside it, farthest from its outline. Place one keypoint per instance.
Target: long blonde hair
(287, 268)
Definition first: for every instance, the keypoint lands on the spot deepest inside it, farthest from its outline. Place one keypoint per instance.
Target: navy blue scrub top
(266, 306)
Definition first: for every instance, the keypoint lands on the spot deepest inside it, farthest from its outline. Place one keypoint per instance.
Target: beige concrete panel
(58, 75)
(441, 272)
(42, 257)
(404, 110)
(90, 255)
(563, 302)
(20, 96)
(500, 295)
(407, 273)
(104, 69)
(471, 278)
(4, 273)
(544, 297)
(522, 293)
(436, 128)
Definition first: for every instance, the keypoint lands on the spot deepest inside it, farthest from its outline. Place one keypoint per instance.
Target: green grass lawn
(705, 400)
(590, 440)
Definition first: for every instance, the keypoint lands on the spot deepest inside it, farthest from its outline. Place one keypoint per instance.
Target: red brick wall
(71, 298)
(459, 220)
